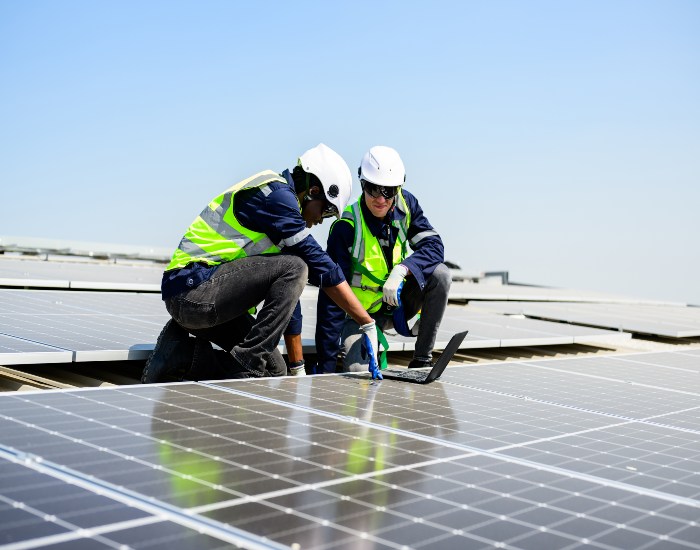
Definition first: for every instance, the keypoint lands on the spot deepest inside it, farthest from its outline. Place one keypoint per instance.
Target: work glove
(369, 336)
(394, 284)
(297, 368)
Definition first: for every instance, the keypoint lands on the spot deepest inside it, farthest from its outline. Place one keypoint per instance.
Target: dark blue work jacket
(427, 254)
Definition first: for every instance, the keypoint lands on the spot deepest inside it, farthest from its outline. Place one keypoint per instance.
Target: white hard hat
(333, 172)
(382, 165)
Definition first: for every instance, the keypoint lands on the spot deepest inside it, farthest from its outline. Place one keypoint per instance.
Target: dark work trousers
(431, 301)
(217, 309)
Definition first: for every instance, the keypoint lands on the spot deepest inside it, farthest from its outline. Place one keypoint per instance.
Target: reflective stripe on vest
(216, 236)
(370, 269)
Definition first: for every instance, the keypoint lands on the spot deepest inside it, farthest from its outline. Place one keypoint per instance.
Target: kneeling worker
(370, 243)
(252, 244)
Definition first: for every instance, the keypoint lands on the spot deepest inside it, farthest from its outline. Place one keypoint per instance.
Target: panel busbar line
(537, 454)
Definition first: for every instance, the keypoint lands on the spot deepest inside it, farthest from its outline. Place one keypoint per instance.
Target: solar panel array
(479, 291)
(112, 326)
(89, 326)
(85, 249)
(598, 452)
(79, 275)
(657, 320)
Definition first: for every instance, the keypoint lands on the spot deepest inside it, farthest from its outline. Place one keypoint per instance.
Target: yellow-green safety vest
(369, 266)
(216, 236)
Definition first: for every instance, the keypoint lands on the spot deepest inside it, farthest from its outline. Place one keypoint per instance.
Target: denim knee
(441, 277)
(298, 270)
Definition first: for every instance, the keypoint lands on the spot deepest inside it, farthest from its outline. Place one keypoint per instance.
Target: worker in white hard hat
(252, 244)
(370, 243)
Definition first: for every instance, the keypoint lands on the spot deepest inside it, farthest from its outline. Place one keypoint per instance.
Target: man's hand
(393, 285)
(369, 332)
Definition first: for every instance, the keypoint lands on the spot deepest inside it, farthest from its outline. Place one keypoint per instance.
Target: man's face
(313, 211)
(379, 206)
(378, 198)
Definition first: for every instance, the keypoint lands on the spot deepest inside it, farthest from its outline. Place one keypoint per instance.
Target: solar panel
(657, 320)
(486, 330)
(109, 326)
(598, 452)
(15, 272)
(38, 245)
(15, 351)
(88, 337)
(494, 292)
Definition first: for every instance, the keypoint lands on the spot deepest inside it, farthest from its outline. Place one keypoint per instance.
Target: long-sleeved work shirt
(277, 215)
(427, 254)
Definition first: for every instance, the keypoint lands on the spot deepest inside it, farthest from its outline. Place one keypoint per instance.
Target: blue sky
(557, 140)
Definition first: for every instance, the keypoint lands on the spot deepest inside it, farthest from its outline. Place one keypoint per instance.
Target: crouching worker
(252, 244)
(370, 243)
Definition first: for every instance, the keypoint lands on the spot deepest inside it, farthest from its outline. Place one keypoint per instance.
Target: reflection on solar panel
(111, 326)
(601, 452)
(658, 320)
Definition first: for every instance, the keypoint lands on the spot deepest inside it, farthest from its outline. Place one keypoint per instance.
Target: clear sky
(558, 140)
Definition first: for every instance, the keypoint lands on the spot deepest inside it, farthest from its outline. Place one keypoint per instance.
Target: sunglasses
(375, 191)
(329, 211)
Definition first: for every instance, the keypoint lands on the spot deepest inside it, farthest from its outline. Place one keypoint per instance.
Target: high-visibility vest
(369, 266)
(216, 236)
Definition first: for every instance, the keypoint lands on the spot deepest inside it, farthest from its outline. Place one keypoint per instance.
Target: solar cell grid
(90, 337)
(533, 454)
(15, 351)
(39, 510)
(451, 413)
(555, 382)
(55, 274)
(35, 302)
(105, 326)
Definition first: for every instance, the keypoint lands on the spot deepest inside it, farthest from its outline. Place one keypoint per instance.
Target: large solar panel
(464, 290)
(15, 351)
(111, 326)
(486, 330)
(600, 452)
(85, 275)
(86, 249)
(657, 320)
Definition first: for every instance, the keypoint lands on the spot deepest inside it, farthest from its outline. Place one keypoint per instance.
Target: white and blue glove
(394, 284)
(369, 333)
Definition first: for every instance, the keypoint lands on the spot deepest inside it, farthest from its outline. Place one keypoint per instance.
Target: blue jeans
(217, 309)
(431, 301)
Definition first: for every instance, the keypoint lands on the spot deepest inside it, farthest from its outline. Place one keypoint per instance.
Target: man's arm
(292, 339)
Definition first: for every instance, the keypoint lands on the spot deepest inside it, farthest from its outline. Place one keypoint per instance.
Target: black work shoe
(420, 364)
(172, 356)
(213, 364)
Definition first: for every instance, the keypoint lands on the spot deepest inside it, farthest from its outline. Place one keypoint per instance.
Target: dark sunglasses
(329, 211)
(375, 191)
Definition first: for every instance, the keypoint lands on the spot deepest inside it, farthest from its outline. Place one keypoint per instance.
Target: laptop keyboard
(409, 374)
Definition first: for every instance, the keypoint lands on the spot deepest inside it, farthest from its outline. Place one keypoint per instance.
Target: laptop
(420, 376)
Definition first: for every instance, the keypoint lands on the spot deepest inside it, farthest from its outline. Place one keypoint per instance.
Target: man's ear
(315, 192)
